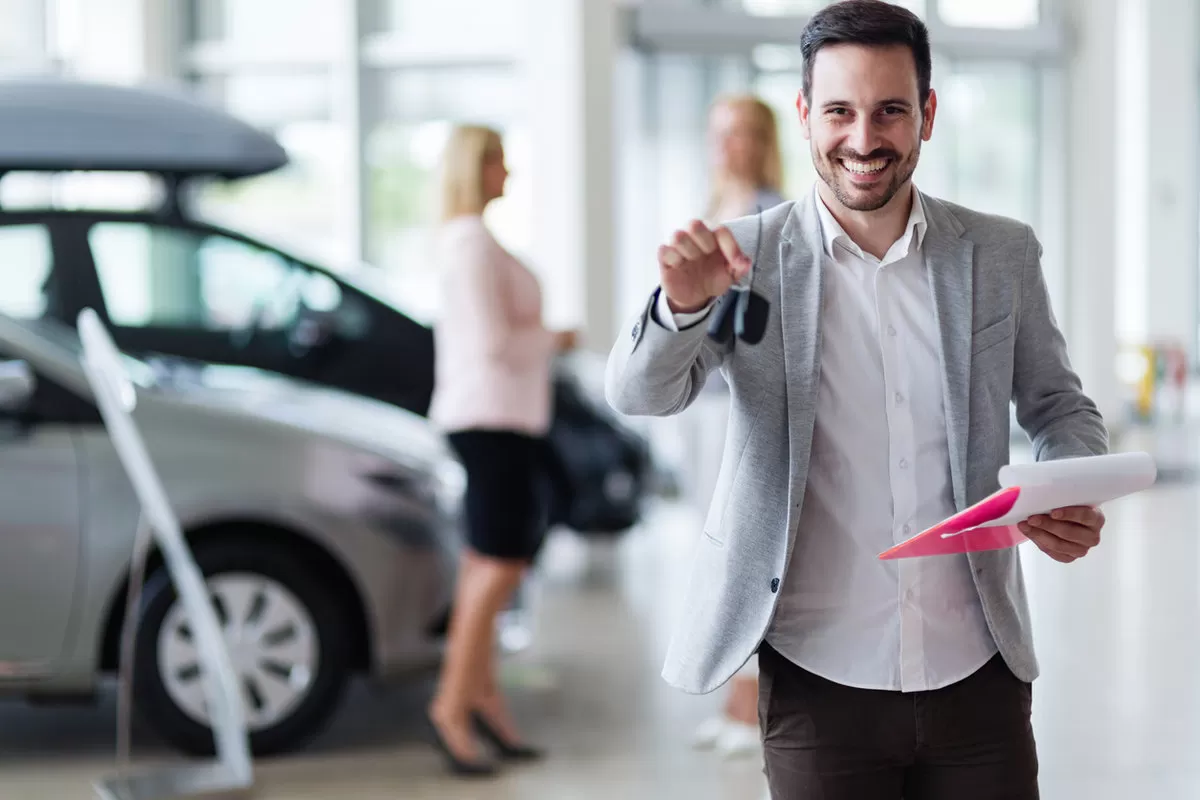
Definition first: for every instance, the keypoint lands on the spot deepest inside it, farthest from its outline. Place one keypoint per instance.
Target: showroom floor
(1117, 711)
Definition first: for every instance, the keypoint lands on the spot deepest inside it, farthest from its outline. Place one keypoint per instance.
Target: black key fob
(741, 311)
(721, 322)
(750, 320)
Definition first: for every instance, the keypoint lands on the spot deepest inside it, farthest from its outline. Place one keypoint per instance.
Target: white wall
(569, 67)
(1155, 109)
(1092, 201)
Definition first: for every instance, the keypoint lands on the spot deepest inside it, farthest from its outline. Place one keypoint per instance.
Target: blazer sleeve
(654, 370)
(1061, 421)
(658, 366)
(483, 310)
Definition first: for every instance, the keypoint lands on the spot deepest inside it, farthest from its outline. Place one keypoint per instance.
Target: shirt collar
(833, 233)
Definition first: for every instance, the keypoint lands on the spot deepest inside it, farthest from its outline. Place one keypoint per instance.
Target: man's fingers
(1070, 531)
(1052, 545)
(733, 254)
(1083, 515)
(1059, 557)
(683, 243)
(668, 256)
(703, 237)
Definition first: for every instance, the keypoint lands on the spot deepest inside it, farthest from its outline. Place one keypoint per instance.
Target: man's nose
(864, 136)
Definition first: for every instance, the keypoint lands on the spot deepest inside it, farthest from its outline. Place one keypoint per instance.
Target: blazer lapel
(948, 261)
(802, 284)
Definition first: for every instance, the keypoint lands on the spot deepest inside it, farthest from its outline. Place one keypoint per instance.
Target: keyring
(741, 311)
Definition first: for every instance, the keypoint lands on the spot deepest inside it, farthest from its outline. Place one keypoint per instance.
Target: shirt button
(891, 330)
(907, 528)
(904, 463)
(774, 585)
(899, 398)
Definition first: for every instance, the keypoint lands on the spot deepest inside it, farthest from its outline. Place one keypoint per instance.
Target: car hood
(317, 410)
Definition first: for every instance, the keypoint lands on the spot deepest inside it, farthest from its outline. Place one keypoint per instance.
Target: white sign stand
(232, 770)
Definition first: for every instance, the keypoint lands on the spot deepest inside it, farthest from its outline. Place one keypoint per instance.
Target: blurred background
(1080, 117)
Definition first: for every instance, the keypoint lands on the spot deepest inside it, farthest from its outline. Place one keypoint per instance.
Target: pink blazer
(492, 351)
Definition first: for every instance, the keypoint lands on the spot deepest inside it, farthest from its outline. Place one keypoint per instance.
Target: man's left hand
(1065, 534)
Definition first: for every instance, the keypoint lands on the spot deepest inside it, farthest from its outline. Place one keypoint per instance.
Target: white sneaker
(709, 732)
(738, 739)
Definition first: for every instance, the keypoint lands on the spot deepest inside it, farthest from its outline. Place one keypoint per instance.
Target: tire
(288, 590)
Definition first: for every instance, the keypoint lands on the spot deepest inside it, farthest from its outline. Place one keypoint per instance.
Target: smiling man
(875, 404)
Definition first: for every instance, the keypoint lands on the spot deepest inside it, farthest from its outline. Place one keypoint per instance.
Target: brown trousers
(823, 741)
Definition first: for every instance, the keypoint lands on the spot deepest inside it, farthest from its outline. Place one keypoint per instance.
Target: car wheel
(286, 633)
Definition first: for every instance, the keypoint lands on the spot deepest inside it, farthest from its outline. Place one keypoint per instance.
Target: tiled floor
(1117, 711)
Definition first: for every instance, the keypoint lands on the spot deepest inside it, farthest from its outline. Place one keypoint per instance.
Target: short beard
(827, 169)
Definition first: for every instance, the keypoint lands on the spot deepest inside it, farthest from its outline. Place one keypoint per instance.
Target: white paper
(1088, 481)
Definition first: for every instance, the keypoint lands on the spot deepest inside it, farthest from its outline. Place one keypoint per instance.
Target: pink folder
(1028, 490)
(978, 535)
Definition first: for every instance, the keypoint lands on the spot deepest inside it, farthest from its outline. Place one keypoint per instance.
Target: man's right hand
(698, 265)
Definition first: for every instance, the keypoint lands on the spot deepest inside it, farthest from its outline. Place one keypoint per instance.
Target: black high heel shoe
(507, 750)
(467, 768)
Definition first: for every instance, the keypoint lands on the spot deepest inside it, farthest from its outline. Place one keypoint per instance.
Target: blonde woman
(747, 167)
(747, 175)
(492, 396)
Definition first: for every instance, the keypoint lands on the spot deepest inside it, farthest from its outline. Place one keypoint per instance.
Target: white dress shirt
(880, 472)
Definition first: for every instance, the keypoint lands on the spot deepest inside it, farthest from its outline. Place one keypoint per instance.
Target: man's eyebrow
(891, 101)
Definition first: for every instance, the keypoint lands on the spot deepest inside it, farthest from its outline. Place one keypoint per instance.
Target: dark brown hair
(874, 23)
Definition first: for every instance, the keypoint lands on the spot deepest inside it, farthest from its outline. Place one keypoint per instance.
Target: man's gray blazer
(999, 343)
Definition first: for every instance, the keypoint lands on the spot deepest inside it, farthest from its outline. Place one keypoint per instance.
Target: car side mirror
(17, 385)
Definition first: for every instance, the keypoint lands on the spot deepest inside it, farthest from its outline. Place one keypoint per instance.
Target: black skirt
(506, 500)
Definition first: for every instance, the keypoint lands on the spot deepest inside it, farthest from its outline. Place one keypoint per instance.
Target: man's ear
(804, 111)
(930, 111)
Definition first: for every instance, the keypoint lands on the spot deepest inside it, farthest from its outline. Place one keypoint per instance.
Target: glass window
(989, 13)
(984, 151)
(26, 261)
(776, 8)
(490, 95)
(403, 156)
(296, 204)
(23, 34)
(299, 202)
(270, 99)
(168, 277)
(291, 24)
(500, 18)
(780, 91)
(111, 191)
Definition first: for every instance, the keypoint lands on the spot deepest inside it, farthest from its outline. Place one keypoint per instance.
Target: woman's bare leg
(484, 585)
(490, 701)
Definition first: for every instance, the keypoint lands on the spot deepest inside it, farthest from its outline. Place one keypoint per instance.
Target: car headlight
(440, 483)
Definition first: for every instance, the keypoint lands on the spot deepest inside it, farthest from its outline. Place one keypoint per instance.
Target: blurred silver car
(326, 524)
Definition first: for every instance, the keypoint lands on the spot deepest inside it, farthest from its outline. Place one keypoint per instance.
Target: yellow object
(1147, 383)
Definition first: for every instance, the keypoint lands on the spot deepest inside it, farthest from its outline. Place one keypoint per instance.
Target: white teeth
(865, 167)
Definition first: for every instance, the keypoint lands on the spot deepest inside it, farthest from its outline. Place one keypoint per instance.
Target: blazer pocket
(992, 335)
